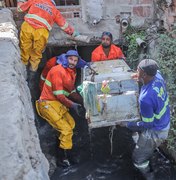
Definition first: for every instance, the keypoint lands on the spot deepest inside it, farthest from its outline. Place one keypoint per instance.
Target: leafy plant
(133, 52)
(166, 58)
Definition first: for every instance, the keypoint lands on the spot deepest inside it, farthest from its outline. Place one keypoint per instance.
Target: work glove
(78, 109)
(75, 34)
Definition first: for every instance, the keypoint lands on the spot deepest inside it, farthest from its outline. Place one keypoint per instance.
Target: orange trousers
(59, 118)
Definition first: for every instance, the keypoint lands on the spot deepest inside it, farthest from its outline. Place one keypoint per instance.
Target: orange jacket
(50, 63)
(60, 85)
(99, 55)
(43, 14)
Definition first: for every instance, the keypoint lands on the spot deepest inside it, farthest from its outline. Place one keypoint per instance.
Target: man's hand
(122, 123)
(78, 109)
(134, 76)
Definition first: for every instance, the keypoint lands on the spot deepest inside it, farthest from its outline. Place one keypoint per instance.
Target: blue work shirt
(154, 106)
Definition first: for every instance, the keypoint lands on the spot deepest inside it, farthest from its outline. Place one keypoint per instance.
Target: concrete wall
(20, 152)
(96, 16)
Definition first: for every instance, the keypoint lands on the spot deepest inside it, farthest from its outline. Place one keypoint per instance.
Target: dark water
(95, 160)
(112, 169)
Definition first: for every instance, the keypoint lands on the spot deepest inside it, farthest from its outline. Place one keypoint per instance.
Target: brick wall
(71, 11)
(67, 12)
(105, 13)
(142, 11)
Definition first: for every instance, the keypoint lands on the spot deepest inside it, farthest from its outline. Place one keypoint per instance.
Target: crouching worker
(155, 113)
(58, 60)
(57, 97)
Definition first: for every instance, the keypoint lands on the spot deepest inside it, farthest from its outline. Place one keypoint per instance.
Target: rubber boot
(73, 159)
(147, 173)
(31, 79)
(62, 159)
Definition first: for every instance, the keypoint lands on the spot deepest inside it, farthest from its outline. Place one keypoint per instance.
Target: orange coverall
(55, 100)
(99, 55)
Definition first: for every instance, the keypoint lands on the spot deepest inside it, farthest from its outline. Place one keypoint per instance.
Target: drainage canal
(102, 153)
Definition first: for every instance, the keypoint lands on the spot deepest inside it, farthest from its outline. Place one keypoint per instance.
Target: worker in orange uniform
(41, 16)
(55, 61)
(107, 50)
(57, 97)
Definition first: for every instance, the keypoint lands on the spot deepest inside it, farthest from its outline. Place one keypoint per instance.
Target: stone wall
(20, 153)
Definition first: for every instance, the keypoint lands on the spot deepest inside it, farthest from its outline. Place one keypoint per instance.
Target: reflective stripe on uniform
(148, 119)
(157, 116)
(42, 78)
(73, 91)
(142, 166)
(58, 92)
(40, 19)
(19, 9)
(64, 26)
(48, 83)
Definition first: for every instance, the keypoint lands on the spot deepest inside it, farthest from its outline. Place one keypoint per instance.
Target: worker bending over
(40, 17)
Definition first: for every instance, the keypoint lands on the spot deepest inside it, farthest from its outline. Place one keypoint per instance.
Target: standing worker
(155, 113)
(107, 50)
(41, 16)
(58, 95)
(55, 61)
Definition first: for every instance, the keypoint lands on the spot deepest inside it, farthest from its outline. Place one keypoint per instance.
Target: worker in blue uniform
(155, 116)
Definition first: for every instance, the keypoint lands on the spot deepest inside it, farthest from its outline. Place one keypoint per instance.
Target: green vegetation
(133, 50)
(166, 58)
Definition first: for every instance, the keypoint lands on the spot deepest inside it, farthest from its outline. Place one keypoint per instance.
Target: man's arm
(147, 116)
(75, 97)
(120, 54)
(63, 24)
(23, 6)
(58, 90)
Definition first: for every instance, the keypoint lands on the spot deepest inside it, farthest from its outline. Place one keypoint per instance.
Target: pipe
(141, 43)
(124, 22)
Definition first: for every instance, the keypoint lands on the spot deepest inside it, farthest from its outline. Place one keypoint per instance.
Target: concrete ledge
(20, 153)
